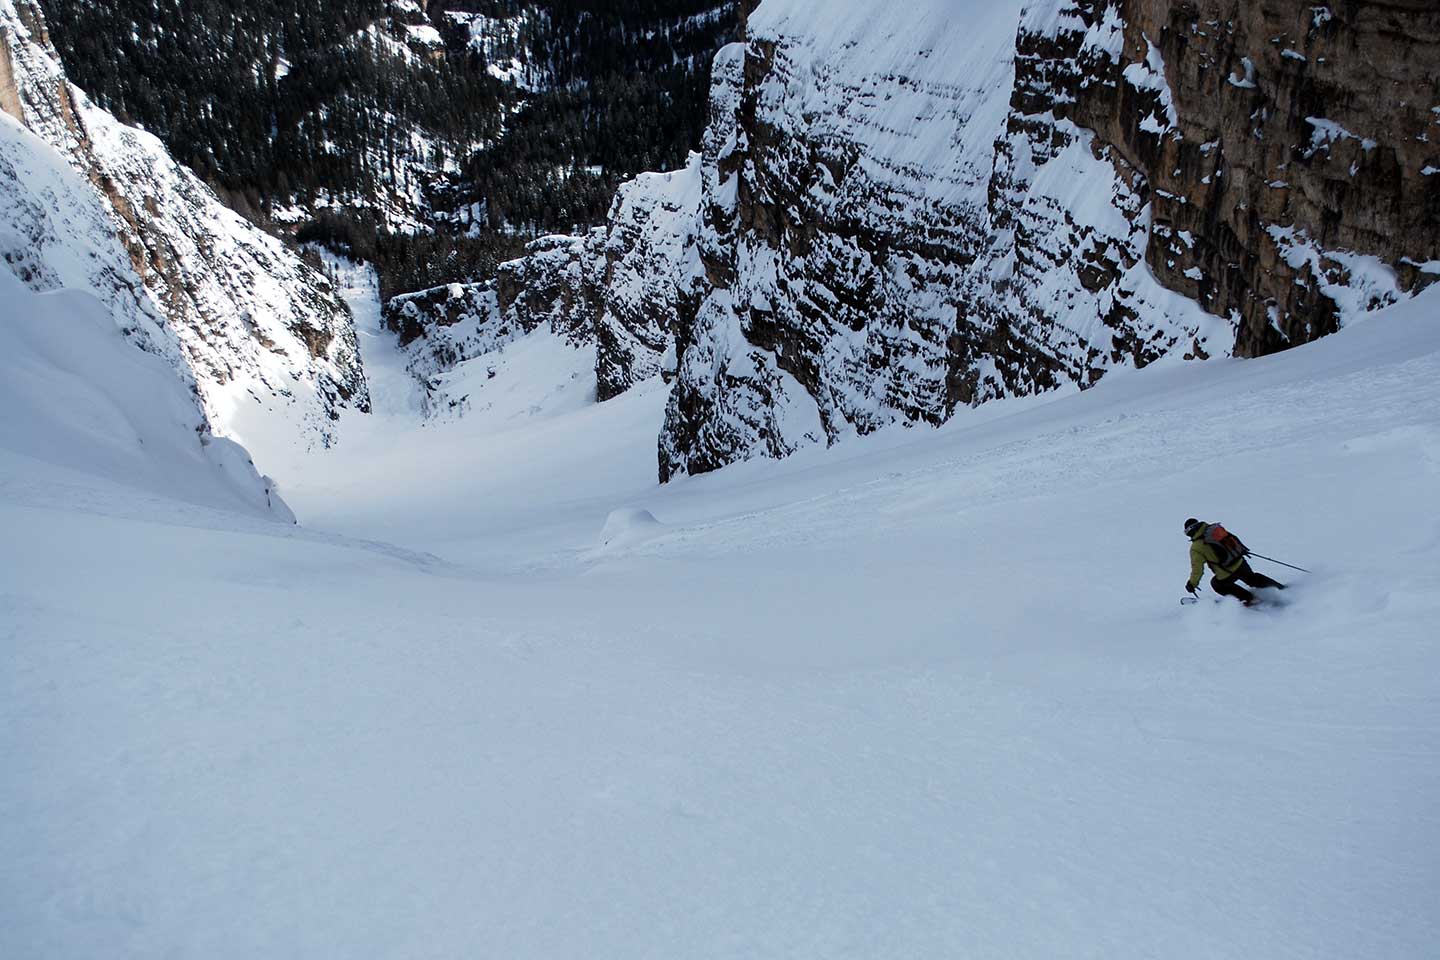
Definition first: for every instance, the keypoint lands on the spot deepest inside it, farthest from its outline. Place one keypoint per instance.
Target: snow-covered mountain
(893, 218)
(82, 404)
(262, 336)
(617, 288)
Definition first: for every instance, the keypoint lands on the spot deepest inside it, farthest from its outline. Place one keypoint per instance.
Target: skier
(1212, 545)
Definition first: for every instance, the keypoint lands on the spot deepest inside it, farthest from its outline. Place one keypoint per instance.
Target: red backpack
(1227, 546)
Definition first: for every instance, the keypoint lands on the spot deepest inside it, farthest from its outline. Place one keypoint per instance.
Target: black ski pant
(1230, 586)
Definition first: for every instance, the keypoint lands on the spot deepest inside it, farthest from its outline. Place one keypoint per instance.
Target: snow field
(929, 693)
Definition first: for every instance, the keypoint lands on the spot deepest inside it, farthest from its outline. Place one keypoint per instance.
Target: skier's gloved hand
(1192, 588)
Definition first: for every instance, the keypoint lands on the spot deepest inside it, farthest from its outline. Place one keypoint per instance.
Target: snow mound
(79, 396)
(629, 526)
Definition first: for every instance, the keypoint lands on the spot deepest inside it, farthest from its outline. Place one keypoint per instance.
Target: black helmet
(1191, 526)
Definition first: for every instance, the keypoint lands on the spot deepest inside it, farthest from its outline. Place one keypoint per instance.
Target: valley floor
(925, 694)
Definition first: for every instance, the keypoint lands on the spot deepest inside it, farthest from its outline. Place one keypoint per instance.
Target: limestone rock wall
(1297, 157)
(1277, 150)
(844, 203)
(1195, 179)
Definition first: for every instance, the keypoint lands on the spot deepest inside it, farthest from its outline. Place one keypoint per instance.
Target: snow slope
(80, 401)
(928, 693)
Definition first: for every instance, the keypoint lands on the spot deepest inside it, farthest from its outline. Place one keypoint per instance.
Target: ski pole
(1261, 556)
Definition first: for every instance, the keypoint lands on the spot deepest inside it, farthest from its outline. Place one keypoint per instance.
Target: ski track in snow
(928, 693)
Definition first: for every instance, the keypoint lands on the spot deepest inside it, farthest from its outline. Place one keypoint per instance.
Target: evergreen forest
(433, 142)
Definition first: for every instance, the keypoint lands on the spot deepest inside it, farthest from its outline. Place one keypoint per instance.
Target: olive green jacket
(1202, 555)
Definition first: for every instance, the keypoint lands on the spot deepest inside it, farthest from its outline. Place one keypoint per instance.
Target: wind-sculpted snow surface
(263, 336)
(79, 397)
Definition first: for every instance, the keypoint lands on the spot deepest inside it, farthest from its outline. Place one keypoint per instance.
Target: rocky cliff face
(261, 335)
(1276, 154)
(884, 240)
(893, 219)
(843, 203)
